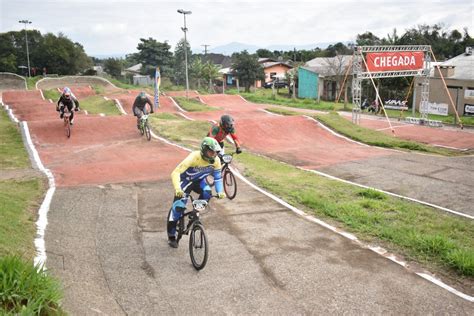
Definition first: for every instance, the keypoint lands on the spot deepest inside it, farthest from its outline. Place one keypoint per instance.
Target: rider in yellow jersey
(190, 175)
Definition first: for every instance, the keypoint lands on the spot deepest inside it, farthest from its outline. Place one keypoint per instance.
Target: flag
(157, 87)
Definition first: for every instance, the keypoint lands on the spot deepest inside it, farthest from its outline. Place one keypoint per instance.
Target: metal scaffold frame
(360, 72)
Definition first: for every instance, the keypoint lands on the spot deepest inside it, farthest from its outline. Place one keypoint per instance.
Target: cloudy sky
(115, 26)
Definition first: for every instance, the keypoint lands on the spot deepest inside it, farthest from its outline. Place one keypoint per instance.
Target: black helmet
(227, 123)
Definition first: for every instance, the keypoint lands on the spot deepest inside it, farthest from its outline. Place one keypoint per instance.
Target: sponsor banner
(435, 108)
(396, 105)
(468, 109)
(157, 87)
(394, 61)
(469, 94)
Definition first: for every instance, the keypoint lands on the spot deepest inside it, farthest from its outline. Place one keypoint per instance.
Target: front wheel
(230, 185)
(198, 248)
(147, 131)
(67, 127)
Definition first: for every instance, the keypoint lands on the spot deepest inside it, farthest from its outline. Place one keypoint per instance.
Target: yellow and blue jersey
(195, 169)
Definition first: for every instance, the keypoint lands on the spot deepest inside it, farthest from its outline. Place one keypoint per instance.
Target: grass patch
(284, 98)
(193, 105)
(282, 111)
(12, 151)
(52, 94)
(376, 138)
(178, 129)
(31, 82)
(96, 104)
(98, 89)
(433, 238)
(27, 290)
(17, 222)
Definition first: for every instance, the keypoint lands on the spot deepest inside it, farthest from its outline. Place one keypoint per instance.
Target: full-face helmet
(227, 123)
(209, 149)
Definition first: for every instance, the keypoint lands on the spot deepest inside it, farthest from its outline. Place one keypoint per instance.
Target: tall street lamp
(26, 39)
(185, 48)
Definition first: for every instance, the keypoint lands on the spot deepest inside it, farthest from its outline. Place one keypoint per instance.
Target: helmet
(142, 95)
(67, 93)
(209, 144)
(227, 123)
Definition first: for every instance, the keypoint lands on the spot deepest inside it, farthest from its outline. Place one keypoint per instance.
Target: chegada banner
(394, 61)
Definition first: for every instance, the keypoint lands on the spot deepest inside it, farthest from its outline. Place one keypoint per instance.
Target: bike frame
(193, 215)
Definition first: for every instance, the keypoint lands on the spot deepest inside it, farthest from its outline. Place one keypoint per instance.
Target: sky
(110, 27)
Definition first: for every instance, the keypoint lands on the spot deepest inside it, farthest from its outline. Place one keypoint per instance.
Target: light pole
(26, 39)
(185, 47)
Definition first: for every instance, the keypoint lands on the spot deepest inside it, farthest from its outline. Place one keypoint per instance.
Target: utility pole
(185, 48)
(205, 48)
(26, 39)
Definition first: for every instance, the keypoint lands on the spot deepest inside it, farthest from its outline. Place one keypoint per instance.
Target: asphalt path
(108, 246)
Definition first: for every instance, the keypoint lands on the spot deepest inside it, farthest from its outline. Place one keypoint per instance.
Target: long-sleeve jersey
(193, 168)
(140, 103)
(218, 133)
(68, 102)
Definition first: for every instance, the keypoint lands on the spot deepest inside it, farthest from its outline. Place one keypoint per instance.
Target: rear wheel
(230, 185)
(147, 131)
(198, 248)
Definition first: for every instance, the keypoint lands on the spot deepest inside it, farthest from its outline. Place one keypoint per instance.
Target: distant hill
(233, 47)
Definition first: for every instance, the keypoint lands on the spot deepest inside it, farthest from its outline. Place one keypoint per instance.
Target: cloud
(115, 26)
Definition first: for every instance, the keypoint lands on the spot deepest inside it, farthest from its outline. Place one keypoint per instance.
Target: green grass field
(12, 151)
(97, 104)
(193, 105)
(24, 289)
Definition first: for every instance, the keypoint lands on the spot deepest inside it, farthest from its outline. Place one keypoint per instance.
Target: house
(458, 72)
(220, 60)
(331, 72)
(308, 83)
(273, 69)
(134, 70)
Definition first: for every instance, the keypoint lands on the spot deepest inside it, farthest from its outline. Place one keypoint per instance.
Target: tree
(367, 39)
(209, 73)
(114, 67)
(153, 54)
(264, 53)
(179, 65)
(196, 70)
(247, 69)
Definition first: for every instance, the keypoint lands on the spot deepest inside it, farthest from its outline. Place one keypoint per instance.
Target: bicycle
(145, 127)
(189, 223)
(67, 121)
(228, 178)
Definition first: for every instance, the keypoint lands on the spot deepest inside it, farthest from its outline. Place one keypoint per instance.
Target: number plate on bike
(199, 205)
(227, 158)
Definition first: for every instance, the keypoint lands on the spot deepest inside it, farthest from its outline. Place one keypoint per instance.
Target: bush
(26, 289)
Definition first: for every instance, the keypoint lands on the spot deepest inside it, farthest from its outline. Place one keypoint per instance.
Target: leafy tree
(264, 53)
(179, 65)
(154, 54)
(196, 70)
(367, 39)
(247, 69)
(114, 67)
(209, 73)
(56, 53)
